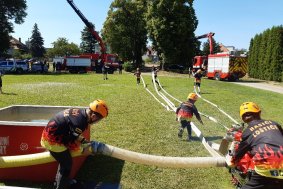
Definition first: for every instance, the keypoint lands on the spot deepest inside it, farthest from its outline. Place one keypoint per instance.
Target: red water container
(22, 137)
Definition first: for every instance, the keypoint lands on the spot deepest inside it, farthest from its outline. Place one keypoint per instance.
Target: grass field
(137, 122)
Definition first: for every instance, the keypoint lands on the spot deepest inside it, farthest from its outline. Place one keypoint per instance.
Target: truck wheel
(19, 71)
(217, 77)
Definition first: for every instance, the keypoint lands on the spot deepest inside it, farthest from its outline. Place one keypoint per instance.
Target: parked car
(22, 66)
(39, 67)
(18, 66)
(176, 68)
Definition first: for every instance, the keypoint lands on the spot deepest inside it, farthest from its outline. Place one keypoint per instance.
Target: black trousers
(62, 180)
(187, 124)
(259, 182)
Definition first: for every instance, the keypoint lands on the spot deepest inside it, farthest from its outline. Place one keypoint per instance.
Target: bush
(128, 66)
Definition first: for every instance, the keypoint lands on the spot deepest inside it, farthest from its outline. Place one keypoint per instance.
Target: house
(227, 49)
(16, 44)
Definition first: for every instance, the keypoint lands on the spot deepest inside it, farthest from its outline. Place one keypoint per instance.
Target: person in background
(64, 133)
(105, 71)
(54, 67)
(185, 113)
(138, 75)
(155, 70)
(197, 82)
(1, 82)
(121, 66)
(263, 141)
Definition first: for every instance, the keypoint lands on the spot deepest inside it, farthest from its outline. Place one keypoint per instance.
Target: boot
(180, 133)
(188, 138)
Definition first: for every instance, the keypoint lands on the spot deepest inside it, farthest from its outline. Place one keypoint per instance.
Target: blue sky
(233, 22)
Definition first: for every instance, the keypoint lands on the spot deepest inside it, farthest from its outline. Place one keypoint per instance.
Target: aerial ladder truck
(97, 59)
(220, 66)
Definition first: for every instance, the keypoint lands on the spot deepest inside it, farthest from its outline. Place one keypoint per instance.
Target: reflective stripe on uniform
(271, 173)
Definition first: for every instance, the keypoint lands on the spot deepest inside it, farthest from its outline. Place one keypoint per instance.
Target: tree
(62, 47)
(206, 47)
(266, 55)
(88, 41)
(125, 29)
(171, 25)
(36, 43)
(10, 10)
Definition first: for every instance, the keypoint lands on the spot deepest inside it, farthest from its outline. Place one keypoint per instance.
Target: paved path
(262, 85)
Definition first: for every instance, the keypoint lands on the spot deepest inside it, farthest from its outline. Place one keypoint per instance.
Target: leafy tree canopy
(125, 29)
(215, 47)
(171, 25)
(62, 47)
(10, 11)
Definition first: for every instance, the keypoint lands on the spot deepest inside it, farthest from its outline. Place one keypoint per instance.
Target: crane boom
(209, 36)
(89, 26)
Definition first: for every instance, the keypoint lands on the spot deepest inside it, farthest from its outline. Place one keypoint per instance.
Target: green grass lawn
(137, 122)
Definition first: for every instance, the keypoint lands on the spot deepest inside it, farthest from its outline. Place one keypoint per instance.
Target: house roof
(17, 44)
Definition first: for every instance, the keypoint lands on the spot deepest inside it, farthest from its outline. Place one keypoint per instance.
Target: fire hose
(108, 150)
(209, 147)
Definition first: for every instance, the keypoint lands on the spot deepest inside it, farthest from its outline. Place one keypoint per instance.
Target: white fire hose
(108, 150)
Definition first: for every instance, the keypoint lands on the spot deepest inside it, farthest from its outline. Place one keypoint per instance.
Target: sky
(233, 22)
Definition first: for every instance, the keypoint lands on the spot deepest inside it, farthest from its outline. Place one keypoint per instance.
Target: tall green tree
(266, 55)
(62, 47)
(276, 57)
(171, 25)
(88, 41)
(125, 29)
(36, 43)
(215, 47)
(10, 11)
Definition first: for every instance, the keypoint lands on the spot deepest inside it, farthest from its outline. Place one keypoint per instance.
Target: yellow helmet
(192, 96)
(249, 107)
(99, 106)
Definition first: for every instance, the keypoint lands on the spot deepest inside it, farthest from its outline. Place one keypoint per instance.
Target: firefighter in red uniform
(197, 76)
(185, 113)
(263, 141)
(63, 134)
(138, 75)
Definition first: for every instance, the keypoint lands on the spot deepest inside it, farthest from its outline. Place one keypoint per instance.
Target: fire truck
(97, 59)
(220, 66)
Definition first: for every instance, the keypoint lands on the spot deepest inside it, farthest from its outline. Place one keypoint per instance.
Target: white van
(18, 66)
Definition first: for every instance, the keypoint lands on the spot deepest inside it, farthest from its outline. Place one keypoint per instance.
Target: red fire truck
(220, 66)
(97, 59)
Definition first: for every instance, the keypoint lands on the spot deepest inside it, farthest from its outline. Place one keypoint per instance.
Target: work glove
(96, 147)
(229, 161)
(237, 127)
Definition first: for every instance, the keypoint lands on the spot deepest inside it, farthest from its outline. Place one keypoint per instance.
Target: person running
(155, 70)
(197, 82)
(185, 113)
(263, 141)
(138, 75)
(63, 134)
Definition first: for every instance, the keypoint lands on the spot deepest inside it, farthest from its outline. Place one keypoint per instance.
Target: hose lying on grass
(108, 150)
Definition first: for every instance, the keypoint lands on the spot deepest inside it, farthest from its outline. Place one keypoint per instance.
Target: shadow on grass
(207, 138)
(212, 138)
(96, 169)
(3, 93)
(206, 93)
(101, 168)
